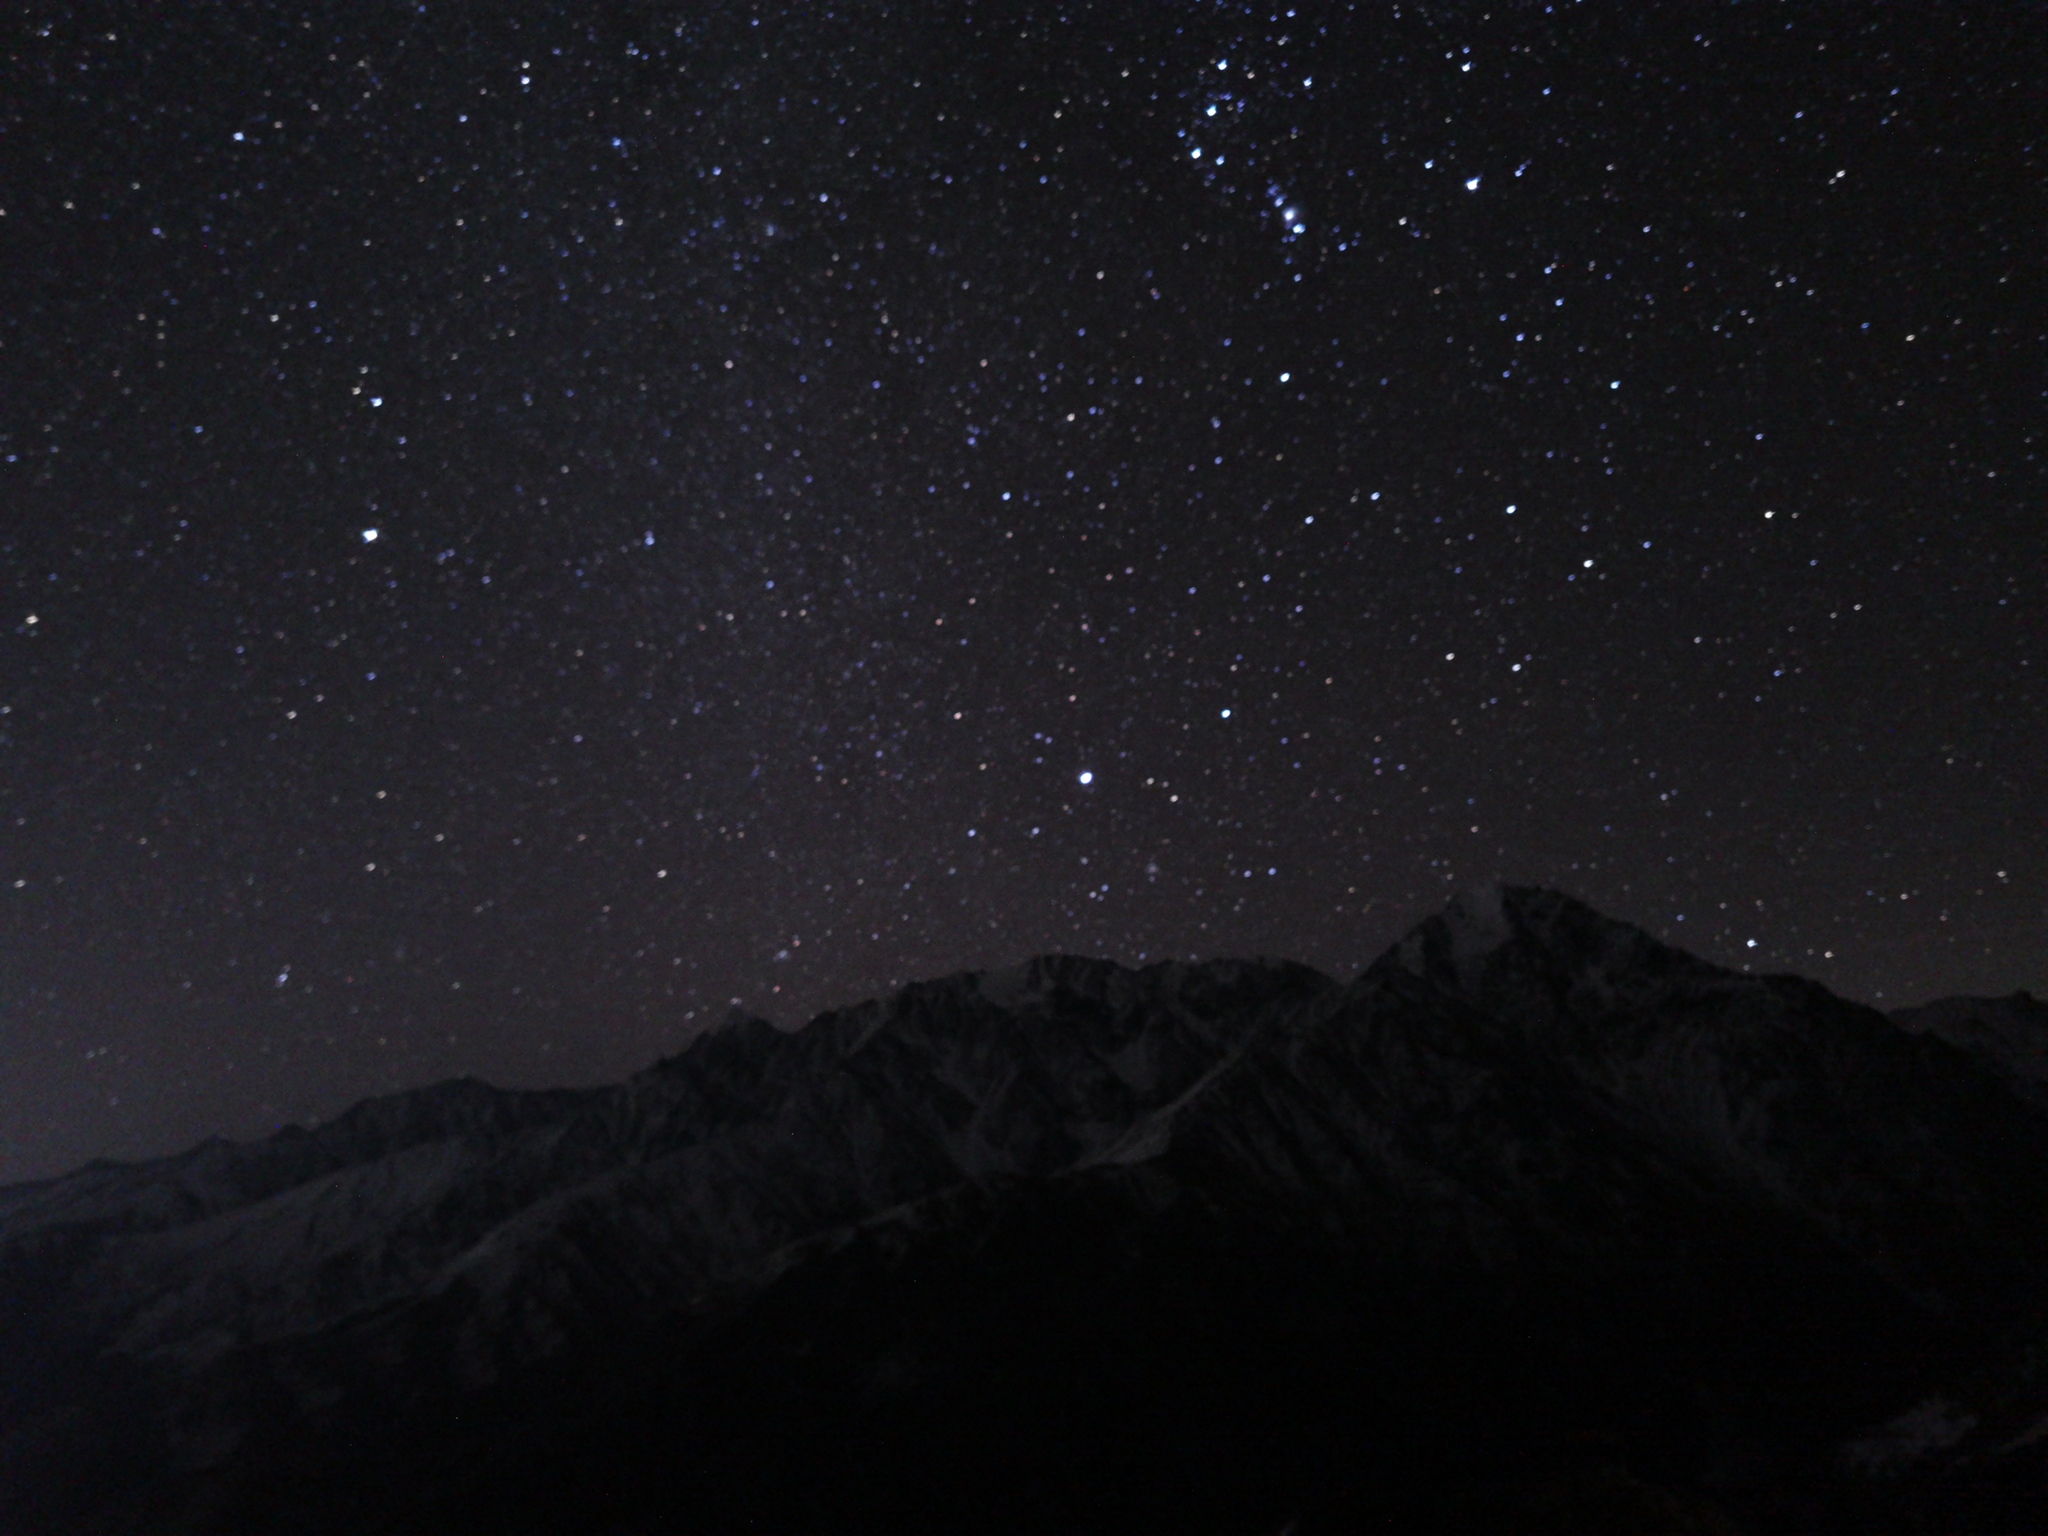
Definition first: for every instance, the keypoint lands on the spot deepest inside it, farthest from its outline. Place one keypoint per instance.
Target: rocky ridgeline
(1537, 1223)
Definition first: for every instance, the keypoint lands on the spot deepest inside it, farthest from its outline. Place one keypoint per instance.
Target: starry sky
(522, 526)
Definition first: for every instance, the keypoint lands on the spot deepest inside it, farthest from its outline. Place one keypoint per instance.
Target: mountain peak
(1456, 942)
(1532, 1167)
(1491, 942)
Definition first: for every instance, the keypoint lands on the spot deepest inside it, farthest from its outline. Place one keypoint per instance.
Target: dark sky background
(522, 525)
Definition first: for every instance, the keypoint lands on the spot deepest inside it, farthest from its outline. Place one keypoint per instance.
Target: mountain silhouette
(1537, 1224)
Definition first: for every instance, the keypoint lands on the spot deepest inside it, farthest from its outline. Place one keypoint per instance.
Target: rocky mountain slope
(2008, 1033)
(1537, 1224)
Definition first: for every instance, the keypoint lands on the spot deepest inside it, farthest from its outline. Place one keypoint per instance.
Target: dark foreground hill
(1537, 1225)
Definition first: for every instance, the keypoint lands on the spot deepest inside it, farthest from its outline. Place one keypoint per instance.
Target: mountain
(2009, 1034)
(1536, 1224)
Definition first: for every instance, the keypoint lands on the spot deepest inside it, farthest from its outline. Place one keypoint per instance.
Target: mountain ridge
(1605, 1147)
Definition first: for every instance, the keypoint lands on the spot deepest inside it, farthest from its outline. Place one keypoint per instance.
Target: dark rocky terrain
(1537, 1225)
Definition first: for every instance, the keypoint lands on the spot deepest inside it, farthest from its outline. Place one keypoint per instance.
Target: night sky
(522, 526)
